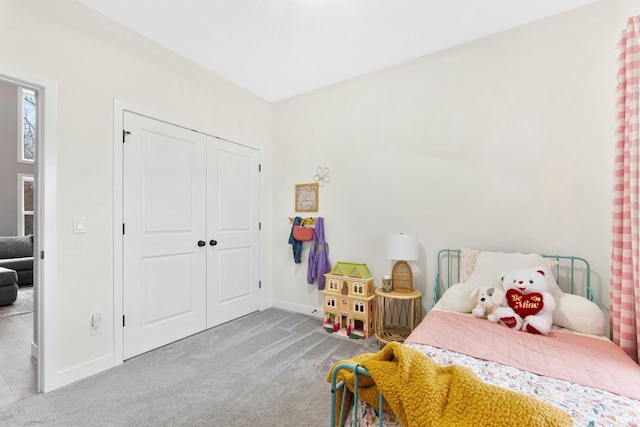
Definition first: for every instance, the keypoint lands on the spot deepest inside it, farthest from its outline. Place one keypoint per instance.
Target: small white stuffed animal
(489, 298)
(529, 304)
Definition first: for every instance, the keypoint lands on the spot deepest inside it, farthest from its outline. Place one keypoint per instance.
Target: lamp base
(402, 277)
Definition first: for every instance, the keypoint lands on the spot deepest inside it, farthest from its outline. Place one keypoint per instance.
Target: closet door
(233, 230)
(164, 242)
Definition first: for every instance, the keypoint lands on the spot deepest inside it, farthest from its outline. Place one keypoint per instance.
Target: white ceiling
(281, 48)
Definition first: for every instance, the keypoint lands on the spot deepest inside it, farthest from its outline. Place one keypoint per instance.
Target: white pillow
(488, 268)
(490, 265)
(458, 298)
(468, 258)
(578, 314)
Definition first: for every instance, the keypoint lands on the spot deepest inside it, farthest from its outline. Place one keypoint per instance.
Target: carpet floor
(264, 369)
(22, 305)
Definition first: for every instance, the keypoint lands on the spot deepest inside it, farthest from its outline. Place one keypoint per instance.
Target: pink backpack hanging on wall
(302, 232)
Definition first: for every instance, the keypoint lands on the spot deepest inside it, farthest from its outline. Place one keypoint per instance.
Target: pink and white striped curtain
(624, 287)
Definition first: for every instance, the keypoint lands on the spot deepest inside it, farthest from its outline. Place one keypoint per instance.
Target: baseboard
(76, 373)
(298, 308)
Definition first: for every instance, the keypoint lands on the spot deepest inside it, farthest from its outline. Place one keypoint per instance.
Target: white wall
(505, 143)
(95, 61)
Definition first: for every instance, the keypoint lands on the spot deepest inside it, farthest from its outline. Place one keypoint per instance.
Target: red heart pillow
(524, 305)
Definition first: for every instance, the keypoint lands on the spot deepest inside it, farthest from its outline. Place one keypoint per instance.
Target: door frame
(44, 347)
(119, 108)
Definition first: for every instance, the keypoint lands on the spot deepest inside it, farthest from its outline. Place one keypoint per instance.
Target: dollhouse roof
(349, 269)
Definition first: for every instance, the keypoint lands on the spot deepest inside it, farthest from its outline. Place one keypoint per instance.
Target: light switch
(79, 224)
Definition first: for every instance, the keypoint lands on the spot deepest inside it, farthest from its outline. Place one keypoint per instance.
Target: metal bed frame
(568, 271)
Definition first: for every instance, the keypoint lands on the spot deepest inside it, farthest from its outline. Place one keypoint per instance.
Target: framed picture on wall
(307, 197)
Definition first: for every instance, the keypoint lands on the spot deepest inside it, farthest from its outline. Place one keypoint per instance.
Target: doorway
(18, 108)
(35, 192)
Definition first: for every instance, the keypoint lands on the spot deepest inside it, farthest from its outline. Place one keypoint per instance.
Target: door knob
(201, 243)
(213, 242)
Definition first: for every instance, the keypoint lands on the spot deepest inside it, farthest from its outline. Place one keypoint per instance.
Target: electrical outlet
(96, 324)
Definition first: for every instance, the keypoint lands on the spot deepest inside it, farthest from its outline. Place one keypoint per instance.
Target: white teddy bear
(529, 303)
(489, 298)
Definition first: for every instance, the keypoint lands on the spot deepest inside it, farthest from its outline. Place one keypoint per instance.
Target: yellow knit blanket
(422, 393)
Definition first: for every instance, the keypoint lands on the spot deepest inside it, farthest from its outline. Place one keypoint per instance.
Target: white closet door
(164, 218)
(234, 237)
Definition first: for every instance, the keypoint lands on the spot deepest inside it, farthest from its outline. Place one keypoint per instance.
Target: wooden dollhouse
(349, 306)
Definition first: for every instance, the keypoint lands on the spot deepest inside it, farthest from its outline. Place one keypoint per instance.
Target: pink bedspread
(585, 360)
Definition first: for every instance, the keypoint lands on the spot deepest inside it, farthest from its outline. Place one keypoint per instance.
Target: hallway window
(26, 202)
(27, 136)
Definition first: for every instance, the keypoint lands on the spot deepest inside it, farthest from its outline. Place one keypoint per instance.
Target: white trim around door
(44, 345)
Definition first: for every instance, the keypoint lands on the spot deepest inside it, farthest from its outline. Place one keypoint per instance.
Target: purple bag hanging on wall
(318, 256)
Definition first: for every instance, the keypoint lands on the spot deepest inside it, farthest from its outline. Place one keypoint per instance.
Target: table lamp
(402, 248)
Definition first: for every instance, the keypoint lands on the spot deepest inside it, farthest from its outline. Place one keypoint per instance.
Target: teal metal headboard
(448, 273)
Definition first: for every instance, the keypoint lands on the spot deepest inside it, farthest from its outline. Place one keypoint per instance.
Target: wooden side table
(397, 314)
